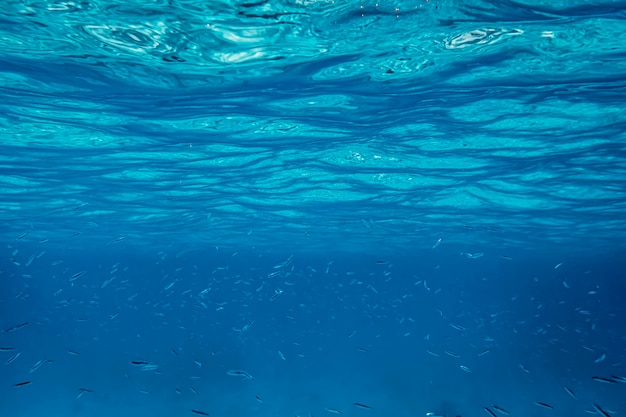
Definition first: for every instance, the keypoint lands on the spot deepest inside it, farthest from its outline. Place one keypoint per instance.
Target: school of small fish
(453, 338)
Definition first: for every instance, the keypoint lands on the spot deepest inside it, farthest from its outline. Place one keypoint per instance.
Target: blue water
(312, 208)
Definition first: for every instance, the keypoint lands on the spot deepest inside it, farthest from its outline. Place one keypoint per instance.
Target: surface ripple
(314, 124)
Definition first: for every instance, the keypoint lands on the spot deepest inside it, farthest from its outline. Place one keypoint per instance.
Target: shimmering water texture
(279, 208)
(266, 123)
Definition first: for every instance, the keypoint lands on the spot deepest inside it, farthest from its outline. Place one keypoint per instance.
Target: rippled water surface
(314, 124)
(312, 208)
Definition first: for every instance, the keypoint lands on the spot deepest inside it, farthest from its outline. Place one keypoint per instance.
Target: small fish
(140, 363)
(107, 282)
(600, 359)
(544, 405)
(118, 240)
(14, 328)
(484, 352)
(457, 327)
(37, 365)
(82, 392)
(14, 357)
(361, 405)
(277, 293)
(6, 349)
(570, 392)
(600, 410)
(500, 409)
(202, 413)
(465, 368)
(73, 353)
(604, 380)
(77, 275)
(333, 410)
(21, 384)
(237, 372)
(490, 412)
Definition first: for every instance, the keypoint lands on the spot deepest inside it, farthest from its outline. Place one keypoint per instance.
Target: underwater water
(312, 208)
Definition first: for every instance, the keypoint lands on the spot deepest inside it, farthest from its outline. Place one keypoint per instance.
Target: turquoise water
(315, 123)
(284, 208)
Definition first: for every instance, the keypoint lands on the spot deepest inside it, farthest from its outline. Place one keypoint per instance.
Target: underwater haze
(312, 208)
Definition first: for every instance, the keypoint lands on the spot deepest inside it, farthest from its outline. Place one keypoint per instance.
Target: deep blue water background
(417, 206)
